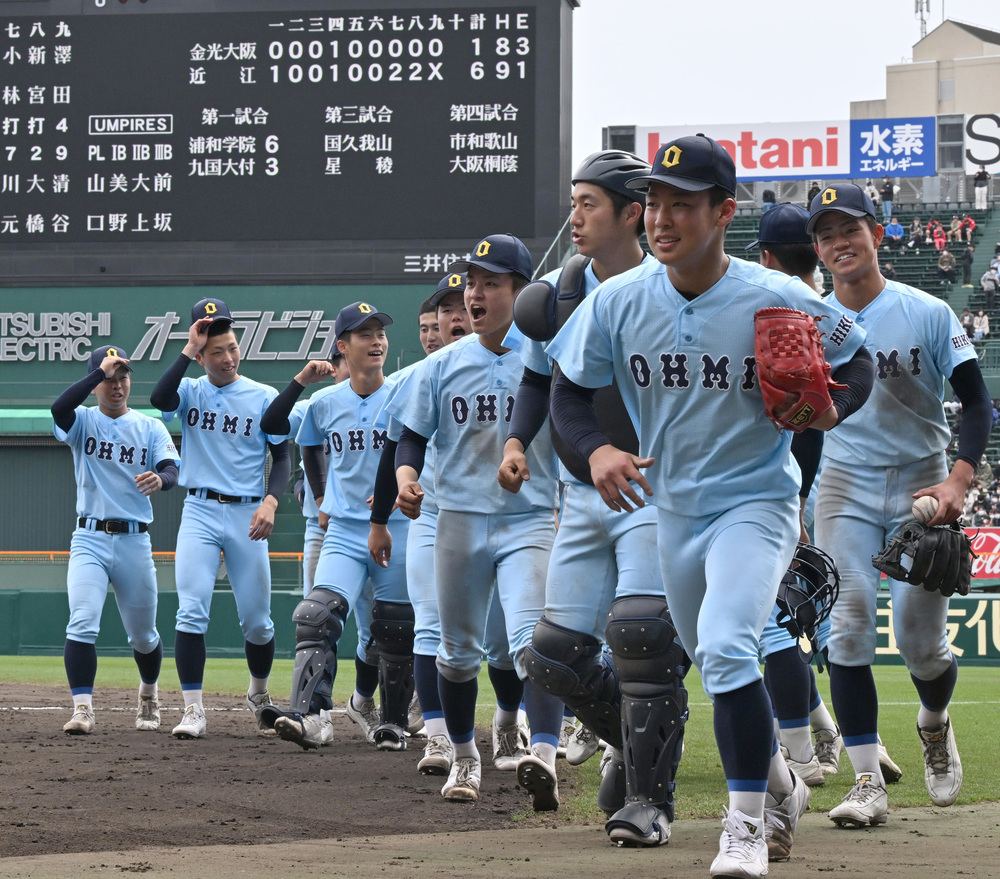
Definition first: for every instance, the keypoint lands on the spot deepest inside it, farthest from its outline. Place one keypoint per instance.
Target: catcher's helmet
(611, 169)
(807, 592)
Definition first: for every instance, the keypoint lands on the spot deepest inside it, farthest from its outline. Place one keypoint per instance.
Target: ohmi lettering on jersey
(675, 371)
(113, 452)
(888, 364)
(483, 408)
(212, 421)
(360, 440)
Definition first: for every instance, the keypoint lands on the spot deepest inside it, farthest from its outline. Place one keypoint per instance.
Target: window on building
(950, 141)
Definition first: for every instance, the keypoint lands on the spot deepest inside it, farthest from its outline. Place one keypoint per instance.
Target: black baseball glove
(938, 558)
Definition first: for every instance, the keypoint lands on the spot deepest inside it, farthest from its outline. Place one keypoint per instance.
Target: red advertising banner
(986, 545)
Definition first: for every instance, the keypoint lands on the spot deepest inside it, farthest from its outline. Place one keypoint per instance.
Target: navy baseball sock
(855, 699)
(545, 714)
(80, 660)
(425, 676)
(260, 658)
(935, 695)
(508, 687)
(189, 656)
(365, 678)
(458, 700)
(149, 663)
(744, 731)
(788, 684)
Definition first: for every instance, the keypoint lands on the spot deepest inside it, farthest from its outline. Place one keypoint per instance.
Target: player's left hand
(148, 482)
(613, 472)
(514, 467)
(262, 523)
(410, 497)
(380, 544)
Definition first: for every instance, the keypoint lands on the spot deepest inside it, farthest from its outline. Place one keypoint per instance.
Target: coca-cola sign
(986, 545)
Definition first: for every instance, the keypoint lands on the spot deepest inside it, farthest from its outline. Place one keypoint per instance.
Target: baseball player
(462, 398)
(348, 418)
(786, 247)
(120, 458)
(430, 332)
(228, 509)
(872, 471)
(678, 337)
(601, 560)
(509, 734)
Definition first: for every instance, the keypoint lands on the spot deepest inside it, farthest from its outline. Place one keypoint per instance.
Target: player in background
(601, 560)
(430, 332)
(786, 247)
(228, 508)
(678, 336)
(120, 458)
(348, 418)
(485, 536)
(510, 738)
(872, 471)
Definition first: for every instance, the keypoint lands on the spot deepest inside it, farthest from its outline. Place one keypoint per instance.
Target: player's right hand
(111, 365)
(314, 371)
(514, 467)
(409, 499)
(613, 472)
(322, 519)
(197, 337)
(380, 544)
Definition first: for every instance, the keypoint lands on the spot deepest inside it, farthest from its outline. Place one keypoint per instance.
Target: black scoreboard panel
(130, 125)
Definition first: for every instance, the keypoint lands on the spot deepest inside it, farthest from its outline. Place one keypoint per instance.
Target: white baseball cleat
(438, 756)
(866, 804)
(463, 781)
(508, 746)
(891, 773)
(565, 731)
(306, 730)
(828, 744)
(415, 718)
(781, 819)
(539, 780)
(367, 717)
(81, 723)
(811, 772)
(582, 745)
(192, 725)
(942, 765)
(742, 849)
(257, 702)
(147, 715)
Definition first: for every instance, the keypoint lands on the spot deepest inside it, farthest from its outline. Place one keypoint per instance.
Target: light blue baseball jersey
(916, 342)
(465, 393)
(535, 354)
(687, 375)
(108, 453)
(400, 389)
(351, 425)
(224, 448)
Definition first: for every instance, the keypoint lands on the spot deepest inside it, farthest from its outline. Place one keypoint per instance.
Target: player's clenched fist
(410, 497)
(514, 467)
(614, 473)
(314, 371)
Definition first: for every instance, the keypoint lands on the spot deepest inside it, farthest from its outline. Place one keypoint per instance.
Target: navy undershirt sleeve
(165, 396)
(531, 406)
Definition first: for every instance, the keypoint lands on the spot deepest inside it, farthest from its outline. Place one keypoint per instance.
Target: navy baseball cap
(846, 198)
(690, 163)
(784, 224)
(352, 316)
(213, 308)
(451, 283)
(98, 354)
(502, 254)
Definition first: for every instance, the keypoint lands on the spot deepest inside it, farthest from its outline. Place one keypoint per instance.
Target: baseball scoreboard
(178, 135)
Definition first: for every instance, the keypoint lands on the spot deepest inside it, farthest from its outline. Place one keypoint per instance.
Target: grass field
(701, 786)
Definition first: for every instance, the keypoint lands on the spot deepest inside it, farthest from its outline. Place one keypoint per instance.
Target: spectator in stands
(916, 234)
(888, 272)
(979, 518)
(813, 192)
(946, 268)
(990, 281)
(886, 194)
(872, 192)
(894, 234)
(768, 201)
(955, 230)
(968, 227)
(980, 326)
(938, 236)
(966, 320)
(981, 184)
(968, 258)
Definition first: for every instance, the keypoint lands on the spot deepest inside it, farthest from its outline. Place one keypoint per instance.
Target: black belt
(224, 498)
(114, 526)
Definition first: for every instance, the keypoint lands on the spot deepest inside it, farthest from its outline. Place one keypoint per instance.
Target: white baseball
(924, 509)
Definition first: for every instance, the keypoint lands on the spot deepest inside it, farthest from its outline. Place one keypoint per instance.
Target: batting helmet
(611, 169)
(807, 592)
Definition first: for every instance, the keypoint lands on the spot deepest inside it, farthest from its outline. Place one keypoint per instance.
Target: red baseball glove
(793, 373)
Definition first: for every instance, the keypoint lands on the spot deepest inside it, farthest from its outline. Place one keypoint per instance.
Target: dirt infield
(236, 804)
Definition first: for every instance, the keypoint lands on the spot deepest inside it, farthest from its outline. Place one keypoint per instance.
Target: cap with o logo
(845, 198)
(216, 309)
(502, 254)
(692, 164)
(450, 283)
(354, 315)
(98, 354)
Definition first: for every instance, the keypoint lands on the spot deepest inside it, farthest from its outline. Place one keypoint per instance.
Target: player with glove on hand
(873, 468)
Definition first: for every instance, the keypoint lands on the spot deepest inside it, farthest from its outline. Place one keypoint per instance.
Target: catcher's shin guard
(651, 665)
(569, 665)
(392, 629)
(319, 623)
